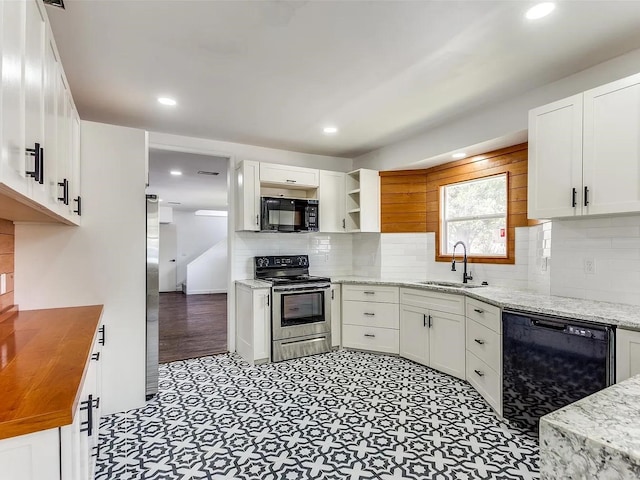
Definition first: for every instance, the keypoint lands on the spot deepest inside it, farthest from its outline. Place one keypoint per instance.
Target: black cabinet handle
(34, 152)
(586, 196)
(88, 425)
(344, 223)
(40, 179)
(65, 191)
(478, 310)
(370, 335)
(369, 314)
(257, 222)
(290, 181)
(95, 356)
(573, 197)
(430, 321)
(78, 200)
(424, 319)
(103, 336)
(479, 373)
(333, 297)
(478, 341)
(268, 300)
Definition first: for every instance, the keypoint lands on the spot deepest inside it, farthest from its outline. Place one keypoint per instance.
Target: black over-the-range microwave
(289, 214)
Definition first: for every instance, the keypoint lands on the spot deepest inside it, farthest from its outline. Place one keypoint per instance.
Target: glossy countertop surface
(620, 314)
(43, 354)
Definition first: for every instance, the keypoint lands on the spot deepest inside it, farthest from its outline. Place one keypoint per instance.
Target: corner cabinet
(39, 164)
(432, 330)
(584, 153)
(627, 354)
(253, 323)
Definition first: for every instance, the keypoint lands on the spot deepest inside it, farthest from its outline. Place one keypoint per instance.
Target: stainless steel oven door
(301, 310)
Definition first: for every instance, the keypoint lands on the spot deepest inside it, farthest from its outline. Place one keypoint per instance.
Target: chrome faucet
(465, 277)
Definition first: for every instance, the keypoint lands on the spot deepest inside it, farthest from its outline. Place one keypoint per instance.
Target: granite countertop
(596, 437)
(620, 314)
(253, 283)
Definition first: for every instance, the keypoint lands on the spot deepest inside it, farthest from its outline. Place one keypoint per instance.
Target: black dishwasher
(549, 362)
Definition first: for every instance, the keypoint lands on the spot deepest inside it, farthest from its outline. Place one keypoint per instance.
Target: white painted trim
(205, 292)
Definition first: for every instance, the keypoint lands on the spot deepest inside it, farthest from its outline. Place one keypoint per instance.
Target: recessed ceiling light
(175, 172)
(160, 200)
(459, 155)
(330, 130)
(540, 10)
(169, 102)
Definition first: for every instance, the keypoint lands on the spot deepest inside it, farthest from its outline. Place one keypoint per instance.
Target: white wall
(613, 243)
(196, 234)
(496, 120)
(208, 272)
(100, 262)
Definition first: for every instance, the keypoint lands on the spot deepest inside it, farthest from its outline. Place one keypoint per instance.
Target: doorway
(193, 198)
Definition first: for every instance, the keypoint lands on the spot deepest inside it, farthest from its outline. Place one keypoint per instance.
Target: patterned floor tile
(341, 415)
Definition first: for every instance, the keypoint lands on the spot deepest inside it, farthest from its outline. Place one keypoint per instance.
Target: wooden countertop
(43, 354)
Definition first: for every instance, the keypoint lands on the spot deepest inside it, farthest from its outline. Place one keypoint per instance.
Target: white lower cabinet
(253, 322)
(65, 453)
(336, 315)
(484, 351)
(370, 318)
(627, 354)
(432, 337)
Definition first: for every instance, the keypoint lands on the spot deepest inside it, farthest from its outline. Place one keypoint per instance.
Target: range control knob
(263, 262)
(302, 261)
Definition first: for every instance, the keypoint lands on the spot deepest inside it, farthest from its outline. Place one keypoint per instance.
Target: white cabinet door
(447, 343)
(261, 324)
(34, 90)
(627, 354)
(332, 200)
(51, 68)
(35, 456)
(14, 161)
(75, 192)
(248, 196)
(253, 323)
(336, 315)
(63, 151)
(289, 176)
(611, 157)
(414, 334)
(555, 159)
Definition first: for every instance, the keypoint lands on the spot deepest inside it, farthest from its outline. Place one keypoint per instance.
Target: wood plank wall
(7, 248)
(410, 199)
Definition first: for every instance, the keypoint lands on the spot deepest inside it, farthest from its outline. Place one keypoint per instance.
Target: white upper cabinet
(331, 198)
(272, 174)
(584, 153)
(611, 155)
(37, 111)
(363, 201)
(555, 159)
(14, 161)
(247, 177)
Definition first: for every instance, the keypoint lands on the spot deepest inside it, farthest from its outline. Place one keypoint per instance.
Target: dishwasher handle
(549, 324)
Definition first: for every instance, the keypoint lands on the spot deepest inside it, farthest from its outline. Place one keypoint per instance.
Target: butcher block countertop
(43, 354)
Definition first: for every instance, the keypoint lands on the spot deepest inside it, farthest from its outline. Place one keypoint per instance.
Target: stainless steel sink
(436, 283)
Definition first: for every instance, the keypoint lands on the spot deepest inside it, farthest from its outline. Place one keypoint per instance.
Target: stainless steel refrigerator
(153, 244)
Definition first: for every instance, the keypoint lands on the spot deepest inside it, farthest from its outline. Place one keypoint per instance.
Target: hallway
(192, 326)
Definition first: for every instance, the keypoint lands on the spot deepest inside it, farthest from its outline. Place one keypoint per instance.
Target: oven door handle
(303, 288)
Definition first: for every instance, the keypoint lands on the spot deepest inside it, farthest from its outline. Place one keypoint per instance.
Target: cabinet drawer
(376, 339)
(485, 380)
(293, 177)
(484, 343)
(370, 293)
(371, 314)
(442, 302)
(487, 315)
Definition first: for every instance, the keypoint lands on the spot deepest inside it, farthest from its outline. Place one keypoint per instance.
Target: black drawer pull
(479, 373)
(37, 153)
(95, 356)
(478, 310)
(88, 425)
(370, 335)
(290, 181)
(430, 321)
(369, 292)
(573, 197)
(65, 191)
(586, 196)
(479, 342)
(424, 319)
(78, 200)
(369, 314)
(103, 335)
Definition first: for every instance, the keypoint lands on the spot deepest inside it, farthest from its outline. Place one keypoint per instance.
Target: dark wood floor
(192, 325)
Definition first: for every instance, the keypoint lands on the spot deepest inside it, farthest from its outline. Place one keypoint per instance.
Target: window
(475, 212)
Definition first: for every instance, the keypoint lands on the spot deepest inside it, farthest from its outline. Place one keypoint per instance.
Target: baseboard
(203, 292)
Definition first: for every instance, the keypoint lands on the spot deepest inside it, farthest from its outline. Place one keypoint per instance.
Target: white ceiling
(273, 73)
(192, 190)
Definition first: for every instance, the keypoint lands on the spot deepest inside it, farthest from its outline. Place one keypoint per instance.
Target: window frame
(442, 222)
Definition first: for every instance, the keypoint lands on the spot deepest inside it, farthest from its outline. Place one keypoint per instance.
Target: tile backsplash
(597, 258)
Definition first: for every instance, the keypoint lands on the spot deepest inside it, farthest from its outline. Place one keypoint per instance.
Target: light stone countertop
(597, 437)
(620, 314)
(252, 283)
